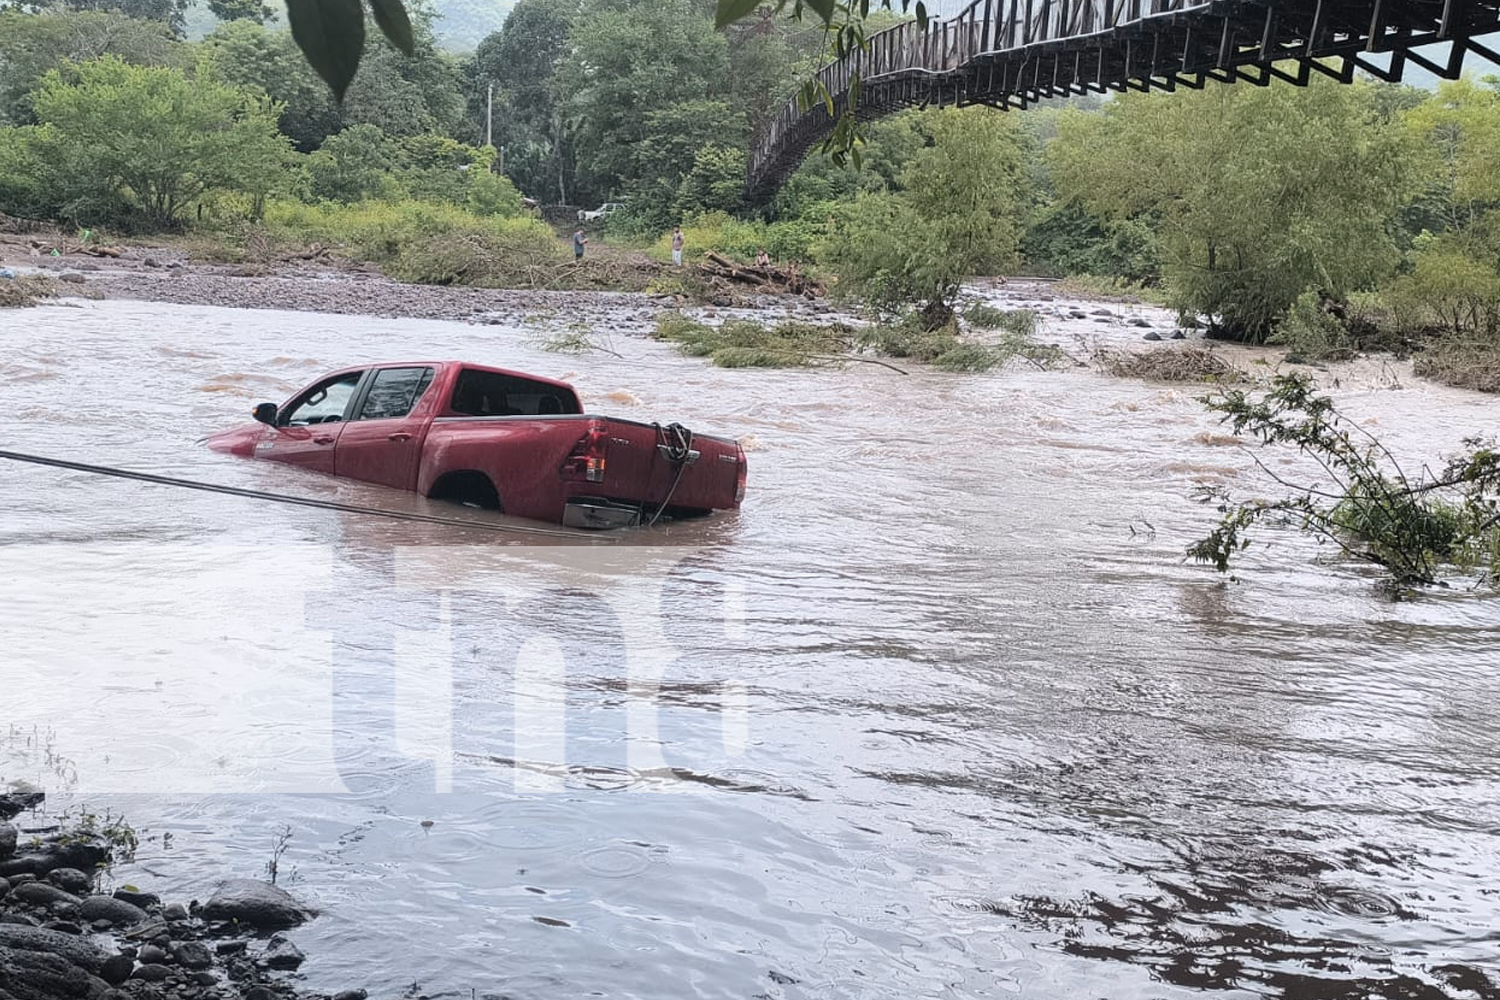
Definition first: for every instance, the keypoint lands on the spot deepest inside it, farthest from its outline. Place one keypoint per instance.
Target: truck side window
(323, 403)
(394, 392)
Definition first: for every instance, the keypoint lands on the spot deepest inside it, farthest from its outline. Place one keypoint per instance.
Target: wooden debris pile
(769, 280)
(1169, 364)
(65, 249)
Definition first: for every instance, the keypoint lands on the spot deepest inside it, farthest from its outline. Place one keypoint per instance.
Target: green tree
(149, 139)
(959, 214)
(167, 12)
(1453, 282)
(628, 56)
(247, 54)
(32, 44)
(1256, 194)
(241, 10)
(519, 62)
(352, 166)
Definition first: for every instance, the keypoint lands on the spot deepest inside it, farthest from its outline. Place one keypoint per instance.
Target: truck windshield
(494, 394)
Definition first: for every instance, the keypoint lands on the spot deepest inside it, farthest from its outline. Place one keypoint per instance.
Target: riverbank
(1093, 328)
(65, 936)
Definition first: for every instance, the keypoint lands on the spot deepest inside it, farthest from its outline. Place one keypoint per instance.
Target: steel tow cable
(348, 508)
(677, 451)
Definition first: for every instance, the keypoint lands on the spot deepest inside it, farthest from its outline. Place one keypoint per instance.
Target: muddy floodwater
(942, 712)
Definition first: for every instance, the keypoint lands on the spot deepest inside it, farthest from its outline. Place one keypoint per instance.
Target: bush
(1019, 322)
(734, 238)
(427, 243)
(744, 344)
(1411, 526)
(1310, 332)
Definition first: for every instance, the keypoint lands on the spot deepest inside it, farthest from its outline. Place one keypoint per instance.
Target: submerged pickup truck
(493, 438)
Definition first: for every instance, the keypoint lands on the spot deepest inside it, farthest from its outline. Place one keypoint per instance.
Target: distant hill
(463, 24)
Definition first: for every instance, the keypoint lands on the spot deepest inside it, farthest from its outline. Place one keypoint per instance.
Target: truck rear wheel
(469, 488)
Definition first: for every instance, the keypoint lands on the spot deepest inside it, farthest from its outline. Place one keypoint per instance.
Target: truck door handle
(323, 439)
(399, 436)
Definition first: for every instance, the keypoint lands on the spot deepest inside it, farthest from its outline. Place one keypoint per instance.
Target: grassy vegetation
(745, 344)
(427, 243)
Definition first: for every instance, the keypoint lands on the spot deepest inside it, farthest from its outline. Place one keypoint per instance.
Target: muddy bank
(64, 935)
(329, 284)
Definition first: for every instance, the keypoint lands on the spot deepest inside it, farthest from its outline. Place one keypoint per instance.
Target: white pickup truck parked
(594, 215)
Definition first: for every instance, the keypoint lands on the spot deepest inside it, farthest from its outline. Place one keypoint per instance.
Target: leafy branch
(1369, 508)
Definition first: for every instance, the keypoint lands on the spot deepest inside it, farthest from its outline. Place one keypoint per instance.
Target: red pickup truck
(493, 438)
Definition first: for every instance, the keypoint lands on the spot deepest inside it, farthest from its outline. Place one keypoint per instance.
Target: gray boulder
(73, 949)
(14, 803)
(282, 954)
(193, 955)
(116, 911)
(83, 853)
(8, 837)
(39, 975)
(42, 894)
(255, 904)
(70, 880)
(137, 898)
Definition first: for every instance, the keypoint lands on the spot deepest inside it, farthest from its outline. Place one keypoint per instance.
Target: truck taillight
(739, 485)
(586, 461)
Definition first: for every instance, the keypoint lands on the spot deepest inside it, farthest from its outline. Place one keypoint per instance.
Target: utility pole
(489, 114)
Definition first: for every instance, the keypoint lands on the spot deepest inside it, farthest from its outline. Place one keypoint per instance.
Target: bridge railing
(984, 28)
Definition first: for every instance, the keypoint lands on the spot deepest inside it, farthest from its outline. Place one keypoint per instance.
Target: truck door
(383, 443)
(308, 428)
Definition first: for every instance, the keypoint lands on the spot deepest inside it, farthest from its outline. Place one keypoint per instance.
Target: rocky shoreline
(62, 939)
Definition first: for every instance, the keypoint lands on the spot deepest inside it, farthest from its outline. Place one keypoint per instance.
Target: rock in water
(14, 803)
(61, 852)
(42, 894)
(152, 973)
(69, 880)
(282, 954)
(137, 898)
(116, 911)
(8, 836)
(256, 904)
(1153, 335)
(193, 955)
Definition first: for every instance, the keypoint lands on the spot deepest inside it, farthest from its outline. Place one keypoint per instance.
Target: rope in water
(348, 508)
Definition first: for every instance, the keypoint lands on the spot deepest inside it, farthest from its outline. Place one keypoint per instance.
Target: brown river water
(942, 712)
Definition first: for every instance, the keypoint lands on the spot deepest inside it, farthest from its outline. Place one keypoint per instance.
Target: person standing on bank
(578, 241)
(677, 241)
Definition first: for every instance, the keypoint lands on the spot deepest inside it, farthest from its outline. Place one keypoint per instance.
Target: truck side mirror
(266, 413)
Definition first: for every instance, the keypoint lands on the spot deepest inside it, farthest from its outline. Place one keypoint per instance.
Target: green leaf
(331, 33)
(730, 11)
(390, 17)
(823, 8)
(921, 16)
